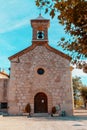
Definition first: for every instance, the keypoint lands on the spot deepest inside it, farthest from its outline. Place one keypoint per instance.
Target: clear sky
(16, 31)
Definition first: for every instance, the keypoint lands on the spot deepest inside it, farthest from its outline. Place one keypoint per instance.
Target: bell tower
(40, 30)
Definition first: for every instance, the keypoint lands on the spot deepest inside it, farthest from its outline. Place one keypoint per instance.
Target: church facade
(40, 76)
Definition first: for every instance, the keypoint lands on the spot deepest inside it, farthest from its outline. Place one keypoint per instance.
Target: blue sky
(16, 31)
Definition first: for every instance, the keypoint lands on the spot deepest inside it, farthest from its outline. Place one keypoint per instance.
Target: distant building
(3, 75)
(4, 78)
(40, 75)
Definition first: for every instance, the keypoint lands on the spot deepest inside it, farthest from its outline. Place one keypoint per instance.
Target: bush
(28, 108)
(53, 110)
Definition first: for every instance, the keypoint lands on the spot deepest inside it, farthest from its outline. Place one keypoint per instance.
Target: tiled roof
(4, 74)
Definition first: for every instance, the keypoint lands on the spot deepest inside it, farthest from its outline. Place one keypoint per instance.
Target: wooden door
(40, 103)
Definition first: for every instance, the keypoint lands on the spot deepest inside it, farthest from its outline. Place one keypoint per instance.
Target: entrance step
(81, 112)
(41, 115)
(3, 113)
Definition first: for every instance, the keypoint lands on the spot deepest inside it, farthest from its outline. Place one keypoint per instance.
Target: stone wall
(25, 82)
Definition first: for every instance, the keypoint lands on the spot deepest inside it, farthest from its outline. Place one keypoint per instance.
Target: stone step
(3, 113)
(80, 112)
(41, 115)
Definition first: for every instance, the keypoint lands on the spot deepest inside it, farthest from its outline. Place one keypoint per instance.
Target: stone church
(40, 75)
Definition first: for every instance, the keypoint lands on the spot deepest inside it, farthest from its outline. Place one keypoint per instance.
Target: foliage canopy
(77, 84)
(79, 92)
(84, 92)
(73, 15)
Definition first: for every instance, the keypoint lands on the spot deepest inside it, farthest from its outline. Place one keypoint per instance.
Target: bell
(40, 35)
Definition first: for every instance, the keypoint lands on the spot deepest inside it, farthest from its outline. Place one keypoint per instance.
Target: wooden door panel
(40, 103)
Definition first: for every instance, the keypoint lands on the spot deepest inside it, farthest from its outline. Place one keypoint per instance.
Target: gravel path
(42, 123)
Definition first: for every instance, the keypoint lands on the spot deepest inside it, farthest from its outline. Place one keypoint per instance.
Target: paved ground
(43, 123)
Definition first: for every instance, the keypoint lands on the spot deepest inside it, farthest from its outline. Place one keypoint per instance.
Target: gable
(33, 46)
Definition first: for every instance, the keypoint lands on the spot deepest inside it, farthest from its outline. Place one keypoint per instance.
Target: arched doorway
(40, 103)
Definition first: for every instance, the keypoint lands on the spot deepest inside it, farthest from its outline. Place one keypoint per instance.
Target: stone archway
(40, 103)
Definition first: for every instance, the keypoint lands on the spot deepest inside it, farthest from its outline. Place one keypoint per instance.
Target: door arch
(40, 103)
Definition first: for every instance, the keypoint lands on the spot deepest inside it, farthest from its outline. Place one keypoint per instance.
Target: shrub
(28, 108)
(53, 110)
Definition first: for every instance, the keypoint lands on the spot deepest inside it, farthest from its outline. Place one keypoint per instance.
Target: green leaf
(46, 10)
(52, 13)
(62, 39)
(57, 5)
(48, 2)
(43, 3)
(37, 3)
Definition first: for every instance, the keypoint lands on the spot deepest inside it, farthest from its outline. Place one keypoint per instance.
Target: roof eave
(33, 46)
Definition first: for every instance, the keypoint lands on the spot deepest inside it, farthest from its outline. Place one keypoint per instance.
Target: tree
(72, 14)
(84, 94)
(77, 84)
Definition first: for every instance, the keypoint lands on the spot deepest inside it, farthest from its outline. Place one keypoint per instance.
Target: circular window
(40, 71)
